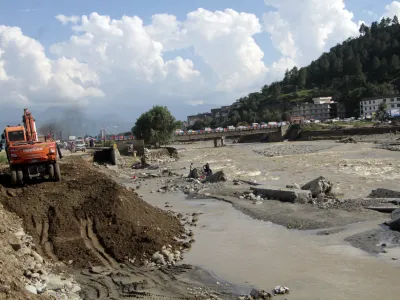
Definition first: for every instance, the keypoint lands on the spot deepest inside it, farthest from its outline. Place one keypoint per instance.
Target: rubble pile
(190, 186)
(167, 256)
(160, 156)
(254, 197)
(38, 277)
(262, 294)
(291, 149)
(318, 186)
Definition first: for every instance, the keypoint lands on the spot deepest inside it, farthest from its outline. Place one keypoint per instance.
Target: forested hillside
(365, 66)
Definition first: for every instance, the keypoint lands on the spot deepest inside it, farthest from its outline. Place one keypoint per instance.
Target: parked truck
(28, 157)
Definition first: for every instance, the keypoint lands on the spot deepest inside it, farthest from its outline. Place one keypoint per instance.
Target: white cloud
(126, 62)
(302, 30)
(392, 9)
(26, 74)
(194, 102)
(65, 20)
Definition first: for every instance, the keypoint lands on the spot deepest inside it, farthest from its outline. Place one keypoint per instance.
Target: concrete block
(284, 194)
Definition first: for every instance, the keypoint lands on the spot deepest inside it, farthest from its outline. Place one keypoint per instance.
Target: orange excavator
(28, 157)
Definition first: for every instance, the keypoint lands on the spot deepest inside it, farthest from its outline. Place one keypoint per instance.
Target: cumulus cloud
(208, 55)
(65, 20)
(392, 9)
(26, 74)
(302, 30)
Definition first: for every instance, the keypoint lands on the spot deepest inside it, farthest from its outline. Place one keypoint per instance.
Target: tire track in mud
(92, 243)
(143, 283)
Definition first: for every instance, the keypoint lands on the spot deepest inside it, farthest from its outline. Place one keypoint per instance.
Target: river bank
(348, 241)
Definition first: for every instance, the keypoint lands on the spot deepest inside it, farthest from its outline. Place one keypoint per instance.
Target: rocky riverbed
(291, 149)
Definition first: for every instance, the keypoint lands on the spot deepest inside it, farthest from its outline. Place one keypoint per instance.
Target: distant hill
(365, 66)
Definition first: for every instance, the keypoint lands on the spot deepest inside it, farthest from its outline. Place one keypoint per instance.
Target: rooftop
(380, 97)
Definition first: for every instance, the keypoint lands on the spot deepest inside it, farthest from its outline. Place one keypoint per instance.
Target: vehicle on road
(80, 145)
(27, 156)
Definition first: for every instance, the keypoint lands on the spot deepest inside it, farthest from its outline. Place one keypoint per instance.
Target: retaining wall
(337, 134)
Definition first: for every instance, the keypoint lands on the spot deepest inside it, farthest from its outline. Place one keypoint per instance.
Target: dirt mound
(89, 218)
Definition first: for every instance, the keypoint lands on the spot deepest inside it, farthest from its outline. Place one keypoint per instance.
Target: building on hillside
(221, 113)
(369, 106)
(199, 117)
(322, 108)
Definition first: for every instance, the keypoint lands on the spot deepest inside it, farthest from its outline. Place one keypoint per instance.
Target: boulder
(194, 173)
(31, 289)
(217, 177)
(394, 224)
(318, 186)
(15, 243)
(395, 214)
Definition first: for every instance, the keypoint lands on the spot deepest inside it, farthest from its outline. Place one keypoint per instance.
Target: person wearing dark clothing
(207, 170)
(91, 143)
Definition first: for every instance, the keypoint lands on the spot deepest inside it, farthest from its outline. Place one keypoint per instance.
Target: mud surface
(175, 282)
(88, 218)
(377, 240)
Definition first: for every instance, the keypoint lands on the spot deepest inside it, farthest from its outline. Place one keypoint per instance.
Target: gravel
(292, 149)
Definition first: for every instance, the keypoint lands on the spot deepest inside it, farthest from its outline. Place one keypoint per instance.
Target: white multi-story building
(322, 108)
(369, 106)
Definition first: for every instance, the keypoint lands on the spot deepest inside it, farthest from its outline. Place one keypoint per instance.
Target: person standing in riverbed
(207, 169)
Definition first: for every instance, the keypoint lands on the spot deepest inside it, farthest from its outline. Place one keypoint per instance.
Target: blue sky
(37, 20)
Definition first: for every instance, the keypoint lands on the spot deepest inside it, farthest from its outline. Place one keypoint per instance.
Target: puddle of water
(243, 250)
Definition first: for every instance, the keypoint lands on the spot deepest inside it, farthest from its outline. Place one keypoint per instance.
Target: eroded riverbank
(315, 265)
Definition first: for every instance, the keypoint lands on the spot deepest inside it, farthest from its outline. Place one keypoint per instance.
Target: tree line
(366, 66)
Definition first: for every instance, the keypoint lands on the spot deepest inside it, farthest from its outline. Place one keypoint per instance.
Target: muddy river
(245, 251)
(242, 251)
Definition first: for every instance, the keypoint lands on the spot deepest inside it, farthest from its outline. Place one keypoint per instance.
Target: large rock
(395, 214)
(394, 224)
(217, 177)
(284, 194)
(194, 173)
(318, 186)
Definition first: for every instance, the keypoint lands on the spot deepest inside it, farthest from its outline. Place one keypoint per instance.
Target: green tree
(382, 113)
(395, 20)
(394, 62)
(302, 78)
(155, 126)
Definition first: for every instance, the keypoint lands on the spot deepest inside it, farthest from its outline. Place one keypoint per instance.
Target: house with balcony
(322, 108)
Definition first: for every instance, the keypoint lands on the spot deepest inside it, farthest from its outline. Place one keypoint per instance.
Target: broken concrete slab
(284, 194)
(318, 186)
(382, 209)
(384, 193)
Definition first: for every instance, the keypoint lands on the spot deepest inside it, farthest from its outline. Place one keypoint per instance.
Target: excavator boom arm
(30, 126)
